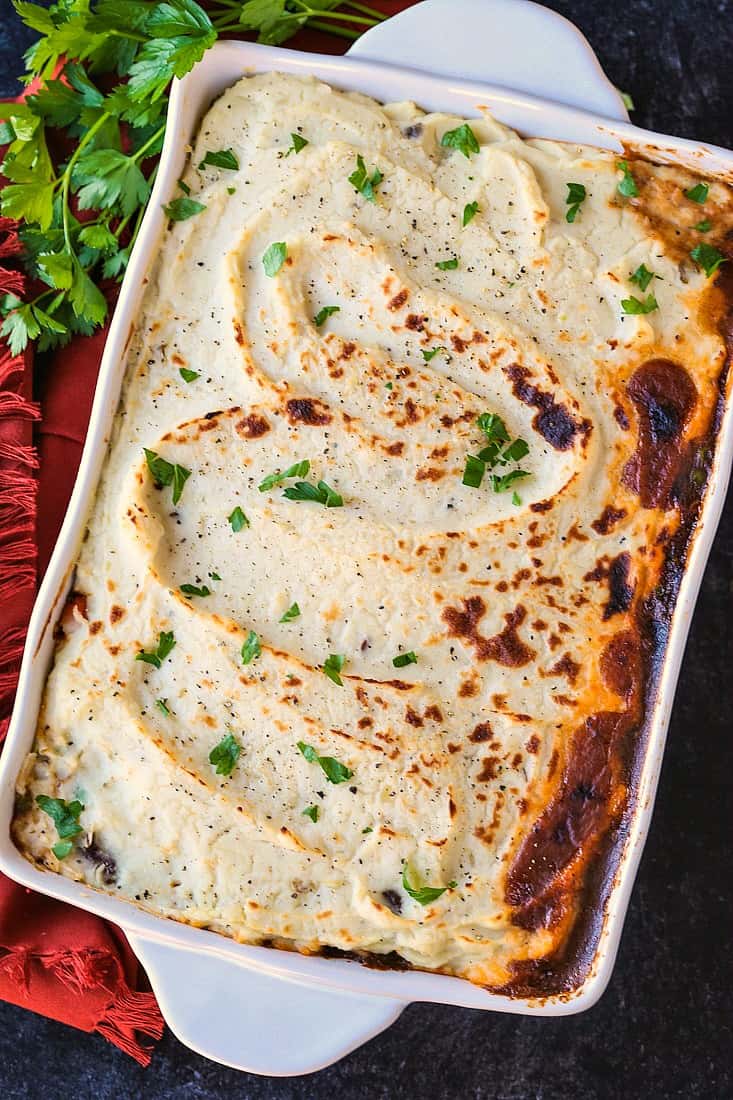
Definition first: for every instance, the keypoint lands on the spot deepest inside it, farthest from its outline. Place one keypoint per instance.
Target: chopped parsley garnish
(225, 755)
(311, 812)
(188, 375)
(424, 895)
(432, 352)
(642, 277)
(65, 816)
(368, 829)
(627, 184)
(707, 258)
(195, 590)
(215, 576)
(362, 182)
(297, 144)
(499, 451)
(332, 667)
(627, 100)
(403, 659)
(324, 314)
(577, 194)
(298, 469)
(501, 482)
(335, 772)
(293, 612)
(473, 473)
(318, 494)
(237, 519)
(183, 208)
(698, 193)
(388, 385)
(516, 499)
(155, 657)
(162, 705)
(704, 226)
(251, 648)
(62, 848)
(224, 158)
(470, 210)
(635, 306)
(462, 138)
(167, 473)
(447, 265)
(231, 190)
(274, 257)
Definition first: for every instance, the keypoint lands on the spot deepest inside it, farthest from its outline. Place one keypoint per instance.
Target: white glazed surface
(254, 1008)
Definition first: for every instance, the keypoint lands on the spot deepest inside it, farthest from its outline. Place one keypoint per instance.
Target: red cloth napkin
(56, 960)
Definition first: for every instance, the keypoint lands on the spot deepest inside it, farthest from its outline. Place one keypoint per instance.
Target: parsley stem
(340, 32)
(342, 16)
(66, 178)
(366, 10)
(143, 148)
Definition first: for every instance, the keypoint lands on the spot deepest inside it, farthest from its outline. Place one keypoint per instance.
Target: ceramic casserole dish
(257, 1008)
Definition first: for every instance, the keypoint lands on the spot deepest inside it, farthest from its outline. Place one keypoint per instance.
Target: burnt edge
(563, 972)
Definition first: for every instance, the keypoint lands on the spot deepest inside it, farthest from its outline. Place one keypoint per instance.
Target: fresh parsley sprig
(81, 151)
(333, 769)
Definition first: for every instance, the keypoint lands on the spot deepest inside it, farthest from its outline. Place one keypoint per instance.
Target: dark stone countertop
(663, 1028)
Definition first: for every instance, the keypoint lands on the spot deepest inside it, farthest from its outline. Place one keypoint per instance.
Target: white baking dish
(278, 1012)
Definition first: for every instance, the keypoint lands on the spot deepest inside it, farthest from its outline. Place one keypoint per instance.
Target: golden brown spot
(308, 410)
(116, 613)
(482, 732)
(253, 426)
(399, 299)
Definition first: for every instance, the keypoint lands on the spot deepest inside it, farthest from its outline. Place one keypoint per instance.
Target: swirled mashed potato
(493, 767)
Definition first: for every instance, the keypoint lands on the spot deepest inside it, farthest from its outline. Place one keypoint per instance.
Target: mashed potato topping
(359, 649)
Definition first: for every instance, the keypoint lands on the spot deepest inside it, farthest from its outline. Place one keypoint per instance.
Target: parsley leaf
(251, 648)
(162, 705)
(195, 590)
(62, 848)
(312, 813)
(188, 375)
(274, 257)
(447, 265)
(429, 354)
(224, 158)
(182, 208)
(324, 313)
(424, 895)
(470, 210)
(318, 494)
(635, 306)
(698, 193)
(297, 144)
(577, 194)
(106, 178)
(362, 182)
(462, 138)
(298, 469)
(707, 258)
(642, 277)
(334, 771)
(166, 643)
(293, 612)
(332, 667)
(167, 473)
(704, 226)
(225, 755)
(65, 815)
(238, 520)
(627, 184)
(403, 659)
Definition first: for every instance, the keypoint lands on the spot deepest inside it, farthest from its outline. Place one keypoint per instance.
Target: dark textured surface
(663, 1029)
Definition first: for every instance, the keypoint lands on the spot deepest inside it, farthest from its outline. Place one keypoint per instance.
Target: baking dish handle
(521, 46)
(257, 1021)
